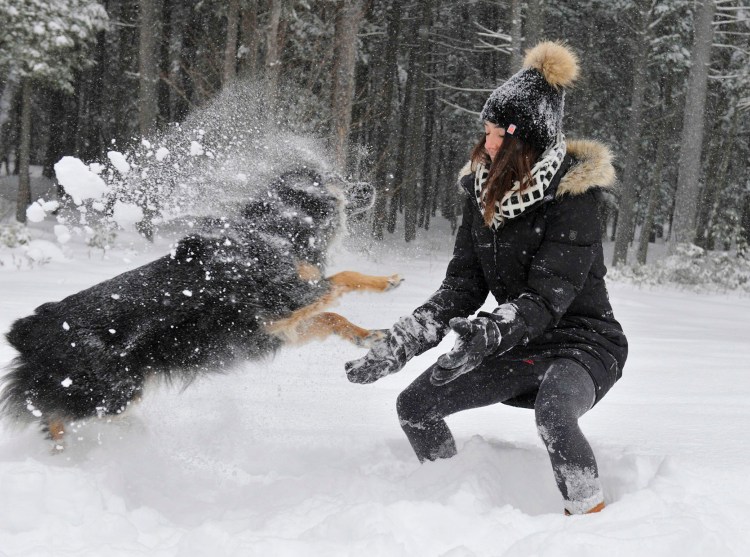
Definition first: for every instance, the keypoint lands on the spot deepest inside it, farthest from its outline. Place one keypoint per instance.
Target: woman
(531, 235)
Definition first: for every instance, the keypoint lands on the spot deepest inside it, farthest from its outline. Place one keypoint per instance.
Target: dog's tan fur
(311, 322)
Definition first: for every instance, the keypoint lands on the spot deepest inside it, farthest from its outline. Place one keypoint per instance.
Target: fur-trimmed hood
(591, 168)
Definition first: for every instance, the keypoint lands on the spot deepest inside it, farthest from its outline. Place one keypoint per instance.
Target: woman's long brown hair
(512, 164)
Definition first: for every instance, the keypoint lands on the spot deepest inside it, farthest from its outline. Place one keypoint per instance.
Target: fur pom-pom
(556, 62)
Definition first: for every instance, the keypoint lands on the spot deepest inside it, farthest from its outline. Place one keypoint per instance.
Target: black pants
(565, 391)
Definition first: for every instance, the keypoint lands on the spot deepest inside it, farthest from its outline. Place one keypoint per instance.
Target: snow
(162, 153)
(119, 161)
(35, 212)
(196, 149)
(43, 250)
(79, 181)
(285, 457)
(126, 214)
(62, 233)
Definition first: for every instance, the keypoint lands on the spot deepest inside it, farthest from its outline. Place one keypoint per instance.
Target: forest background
(394, 89)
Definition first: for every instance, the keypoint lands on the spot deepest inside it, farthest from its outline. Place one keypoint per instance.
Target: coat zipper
(494, 247)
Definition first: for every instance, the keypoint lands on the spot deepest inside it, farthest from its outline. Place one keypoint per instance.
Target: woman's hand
(389, 354)
(477, 339)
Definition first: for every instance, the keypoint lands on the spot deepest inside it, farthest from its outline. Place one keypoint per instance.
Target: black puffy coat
(548, 263)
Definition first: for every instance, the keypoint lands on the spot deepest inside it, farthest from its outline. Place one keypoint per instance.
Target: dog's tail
(17, 383)
(15, 403)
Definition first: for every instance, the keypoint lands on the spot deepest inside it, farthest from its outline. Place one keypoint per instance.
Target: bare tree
(381, 129)
(230, 50)
(148, 64)
(654, 189)
(273, 57)
(516, 34)
(6, 99)
(24, 182)
(533, 28)
(626, 207)
(689, 164)
(348, 17)
(249, 37)
(414, 148)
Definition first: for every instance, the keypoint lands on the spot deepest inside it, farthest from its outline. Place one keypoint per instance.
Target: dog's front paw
(374, 336)
(394, 281)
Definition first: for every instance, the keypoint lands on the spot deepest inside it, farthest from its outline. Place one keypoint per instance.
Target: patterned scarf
(515, 202)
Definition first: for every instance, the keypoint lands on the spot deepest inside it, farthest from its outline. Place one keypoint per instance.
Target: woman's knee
(410, 406)
(566, 393)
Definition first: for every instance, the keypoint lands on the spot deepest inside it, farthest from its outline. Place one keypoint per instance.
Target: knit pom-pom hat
(530, 104)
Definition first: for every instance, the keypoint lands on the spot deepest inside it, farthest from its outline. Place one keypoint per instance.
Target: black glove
(387, 355)
(477, 339)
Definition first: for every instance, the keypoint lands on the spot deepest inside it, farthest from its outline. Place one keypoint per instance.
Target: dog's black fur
(196, 310)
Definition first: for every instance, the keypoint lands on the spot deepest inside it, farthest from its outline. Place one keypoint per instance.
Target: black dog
(236, 289)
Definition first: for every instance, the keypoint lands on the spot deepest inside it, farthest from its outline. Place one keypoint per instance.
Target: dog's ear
(190, 247)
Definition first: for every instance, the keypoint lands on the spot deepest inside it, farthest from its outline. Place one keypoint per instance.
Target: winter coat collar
(591, 168)
(515, 202)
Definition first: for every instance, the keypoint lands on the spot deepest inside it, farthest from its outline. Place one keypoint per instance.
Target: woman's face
(493, 138)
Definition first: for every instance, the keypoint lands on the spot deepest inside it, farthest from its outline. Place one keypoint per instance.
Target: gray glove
(389, 354)
(477, 339)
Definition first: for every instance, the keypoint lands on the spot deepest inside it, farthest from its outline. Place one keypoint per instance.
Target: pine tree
(45, 42)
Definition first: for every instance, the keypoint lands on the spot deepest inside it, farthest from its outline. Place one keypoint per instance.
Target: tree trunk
(249, 38)
(395, 201)
(56, 109)
(348, 17)
(655, 189)
(148, 65)
(413, 179)
(425, 204)
(273, 61)
(24, 181)
(653, 200)
(714, 187)
(516, 35)
(533, 28)
(689, 163)
(382, 116)
(400, 174)
(743, 239)
(230, 50)
(626, 209)
(6, 102)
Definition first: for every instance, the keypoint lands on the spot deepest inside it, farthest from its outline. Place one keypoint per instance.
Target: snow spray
(207, 165)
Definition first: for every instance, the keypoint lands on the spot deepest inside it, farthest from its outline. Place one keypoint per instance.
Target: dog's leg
(350, 281)
(55, 429)
(324, 324)
(303, 323)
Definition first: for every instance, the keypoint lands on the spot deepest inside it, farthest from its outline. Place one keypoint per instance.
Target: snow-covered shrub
(102, 238)
(45, 40)
(691, 267)
(13, 235)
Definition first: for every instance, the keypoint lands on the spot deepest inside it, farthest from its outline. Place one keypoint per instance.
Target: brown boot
(592, 510)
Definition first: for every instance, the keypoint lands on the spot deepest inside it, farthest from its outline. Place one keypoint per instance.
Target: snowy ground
(286, 457)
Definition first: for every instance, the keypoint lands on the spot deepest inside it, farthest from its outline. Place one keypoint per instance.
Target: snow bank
(43, 251)
(285, 457)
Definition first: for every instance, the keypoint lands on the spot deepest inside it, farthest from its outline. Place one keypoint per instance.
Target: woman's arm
(464, 288)
(462, 292)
